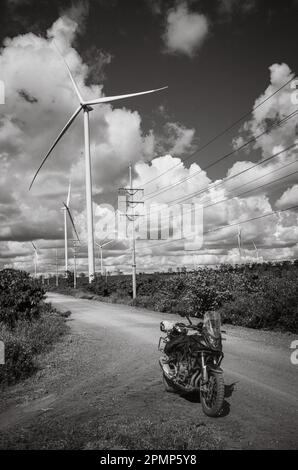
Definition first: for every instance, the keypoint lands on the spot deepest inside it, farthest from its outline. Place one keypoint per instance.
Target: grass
(26, 341)
(147, 434)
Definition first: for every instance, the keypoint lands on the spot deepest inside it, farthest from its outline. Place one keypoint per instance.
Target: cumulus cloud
(175, 139)
(272, 111)
(289, 198)
(185, 30)
(40, 99)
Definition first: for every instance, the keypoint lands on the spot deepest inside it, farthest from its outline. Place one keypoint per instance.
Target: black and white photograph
(148, 229)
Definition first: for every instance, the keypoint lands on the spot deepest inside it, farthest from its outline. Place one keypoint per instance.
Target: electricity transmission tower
(131, 203)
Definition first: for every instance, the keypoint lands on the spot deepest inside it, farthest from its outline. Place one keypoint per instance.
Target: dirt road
(103, 389)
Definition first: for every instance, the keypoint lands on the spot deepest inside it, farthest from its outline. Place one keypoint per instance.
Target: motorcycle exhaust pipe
(195, 379)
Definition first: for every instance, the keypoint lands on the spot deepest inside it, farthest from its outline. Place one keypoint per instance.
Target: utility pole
(75, 246)
(130, 202)
(65, 240)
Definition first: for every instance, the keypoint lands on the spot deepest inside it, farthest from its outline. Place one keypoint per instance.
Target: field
(255, 296)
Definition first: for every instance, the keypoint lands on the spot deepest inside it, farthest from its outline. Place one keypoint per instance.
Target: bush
(274, 305)
(20, 297)
(19, 360)
(257, 295)
(28, 339)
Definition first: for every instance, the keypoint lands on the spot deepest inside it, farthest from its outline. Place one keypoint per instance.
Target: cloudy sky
(221, 59)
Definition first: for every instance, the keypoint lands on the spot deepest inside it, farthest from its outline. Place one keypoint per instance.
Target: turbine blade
(70, 75)
(72, 222)
(56, 142)
(110, 241)
(68, 195)
(34, 247)
(106, 99)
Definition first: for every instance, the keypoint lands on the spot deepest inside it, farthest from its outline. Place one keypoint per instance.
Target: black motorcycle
(192, 358)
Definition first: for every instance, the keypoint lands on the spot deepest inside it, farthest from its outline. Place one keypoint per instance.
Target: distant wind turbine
(256, 250)
(35, 259)
(100, 246)
(65, 227)
(66, 208)
(239, 238)
(86, 107)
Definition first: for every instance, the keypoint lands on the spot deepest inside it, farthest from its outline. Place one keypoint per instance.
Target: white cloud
(273, 110)
(175, 139)
(185, 30)
(289, 198)
(39, 100)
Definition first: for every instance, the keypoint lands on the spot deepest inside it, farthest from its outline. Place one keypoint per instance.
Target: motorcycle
(191, 360)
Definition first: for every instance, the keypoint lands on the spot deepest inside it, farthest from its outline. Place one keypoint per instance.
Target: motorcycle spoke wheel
(212, 395)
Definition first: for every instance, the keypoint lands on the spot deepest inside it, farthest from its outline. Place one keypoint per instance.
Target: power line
(220, 183)
(249, 182)
(228, 225)
(253, 189)
(220, 134)
(223, 157)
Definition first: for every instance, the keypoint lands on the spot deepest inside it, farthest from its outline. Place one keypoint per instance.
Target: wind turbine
(239, 238)
(86, 107)
(65, 227)
(100, 246)
(67, 210)
(256, 250)
(35, 259)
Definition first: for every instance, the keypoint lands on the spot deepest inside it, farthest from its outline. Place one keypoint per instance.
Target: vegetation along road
(102, 388)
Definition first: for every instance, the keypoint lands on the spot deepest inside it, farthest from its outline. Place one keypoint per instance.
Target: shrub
(28, 339)
(20, 296)
(19, 361)
(273, 305)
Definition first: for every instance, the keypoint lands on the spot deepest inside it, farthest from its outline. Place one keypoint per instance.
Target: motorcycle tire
(212, 400)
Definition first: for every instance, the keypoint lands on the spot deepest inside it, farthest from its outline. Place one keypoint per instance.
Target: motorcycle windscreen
(212, 323)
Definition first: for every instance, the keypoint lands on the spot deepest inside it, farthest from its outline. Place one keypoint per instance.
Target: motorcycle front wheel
(212, 395)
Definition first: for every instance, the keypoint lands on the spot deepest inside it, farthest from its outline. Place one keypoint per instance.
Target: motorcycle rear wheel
(213, 398)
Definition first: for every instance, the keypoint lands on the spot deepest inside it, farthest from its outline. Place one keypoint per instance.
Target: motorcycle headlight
(214, 342)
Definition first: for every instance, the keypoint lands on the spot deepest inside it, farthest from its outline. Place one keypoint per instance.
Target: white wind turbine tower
(100, 246)
(86, 107)
(65, 227)
(35, 259)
